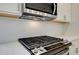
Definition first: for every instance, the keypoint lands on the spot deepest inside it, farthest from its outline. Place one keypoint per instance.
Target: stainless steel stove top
(35, 42)
(45, 45)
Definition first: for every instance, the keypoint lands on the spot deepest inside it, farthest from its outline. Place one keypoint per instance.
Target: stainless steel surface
(36, 15)
(38, 51)
(45, 45)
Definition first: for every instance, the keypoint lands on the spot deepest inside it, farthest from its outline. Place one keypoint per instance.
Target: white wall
(9, 7)
(11, 30)
(72, 29)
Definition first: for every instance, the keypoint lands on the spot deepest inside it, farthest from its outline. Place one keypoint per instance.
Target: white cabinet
(74, 49)
(12, 8)
(64, 12)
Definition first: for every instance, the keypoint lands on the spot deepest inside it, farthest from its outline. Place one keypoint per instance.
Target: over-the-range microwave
(39, 11)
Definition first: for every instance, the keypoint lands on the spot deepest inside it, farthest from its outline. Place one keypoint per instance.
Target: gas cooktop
(35, 42)
(44, 45)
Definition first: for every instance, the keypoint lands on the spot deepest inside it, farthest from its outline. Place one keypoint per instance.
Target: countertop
(69, 38)
(14, 48)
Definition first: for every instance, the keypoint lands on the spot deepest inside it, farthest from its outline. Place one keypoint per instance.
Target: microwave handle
(54, 8)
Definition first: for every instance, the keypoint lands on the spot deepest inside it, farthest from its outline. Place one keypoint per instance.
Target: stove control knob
(35, 51)
(41, 49)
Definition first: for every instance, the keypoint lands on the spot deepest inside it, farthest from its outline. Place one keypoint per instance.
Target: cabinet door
(77, 46)
(64, 11)
(10, 7)
(74, 49)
